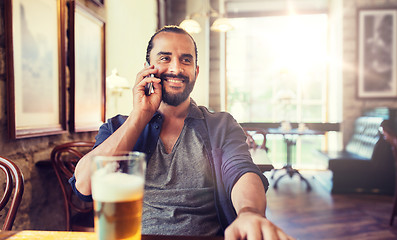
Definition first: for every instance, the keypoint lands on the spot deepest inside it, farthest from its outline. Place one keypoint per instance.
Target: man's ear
(197, 71)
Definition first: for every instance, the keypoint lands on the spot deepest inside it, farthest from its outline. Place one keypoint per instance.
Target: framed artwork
(35, 61)
(377, 53)
(87, 69)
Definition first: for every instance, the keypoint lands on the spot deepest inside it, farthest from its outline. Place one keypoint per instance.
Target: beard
(174, 99)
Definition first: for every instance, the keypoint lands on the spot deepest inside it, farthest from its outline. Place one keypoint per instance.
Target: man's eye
(164, 58)
(187, 60)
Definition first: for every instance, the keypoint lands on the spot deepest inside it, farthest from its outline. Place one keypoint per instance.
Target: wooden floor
(319, 215)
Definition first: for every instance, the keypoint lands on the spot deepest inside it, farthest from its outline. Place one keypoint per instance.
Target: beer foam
(116, 187)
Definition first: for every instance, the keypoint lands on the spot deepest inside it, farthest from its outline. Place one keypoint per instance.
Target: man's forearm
(123, 139)
(248, 195)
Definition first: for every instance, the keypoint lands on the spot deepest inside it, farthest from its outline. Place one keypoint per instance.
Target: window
(276, 70)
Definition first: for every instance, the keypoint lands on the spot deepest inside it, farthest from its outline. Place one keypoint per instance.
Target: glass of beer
(117, 184)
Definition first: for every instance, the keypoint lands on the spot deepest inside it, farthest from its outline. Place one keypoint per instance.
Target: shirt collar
(157, 116)
(194, 111)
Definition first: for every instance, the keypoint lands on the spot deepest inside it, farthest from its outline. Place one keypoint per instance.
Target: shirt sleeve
(109, 128)
(236, 159)
(104, 132)
(85, 198)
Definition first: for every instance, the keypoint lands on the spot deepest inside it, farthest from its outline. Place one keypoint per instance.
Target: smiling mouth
(175, 83)
(175, 80)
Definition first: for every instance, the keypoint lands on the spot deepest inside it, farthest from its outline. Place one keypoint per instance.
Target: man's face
(173, 54)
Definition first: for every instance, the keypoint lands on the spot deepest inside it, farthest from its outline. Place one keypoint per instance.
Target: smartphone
(149, 87)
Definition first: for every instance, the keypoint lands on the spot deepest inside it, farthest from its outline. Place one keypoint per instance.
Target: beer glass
(117, 184)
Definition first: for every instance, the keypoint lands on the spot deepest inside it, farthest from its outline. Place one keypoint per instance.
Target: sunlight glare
(297, 47)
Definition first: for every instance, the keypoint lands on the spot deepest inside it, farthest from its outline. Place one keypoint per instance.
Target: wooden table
(60, 235)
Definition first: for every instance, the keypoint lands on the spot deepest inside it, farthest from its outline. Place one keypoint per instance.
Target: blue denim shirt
(225, 145)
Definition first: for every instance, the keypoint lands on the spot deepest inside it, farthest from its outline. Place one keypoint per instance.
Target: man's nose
(175, 67)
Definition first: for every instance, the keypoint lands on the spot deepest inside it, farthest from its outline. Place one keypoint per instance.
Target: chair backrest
(250, 133)
(365, 136)
(256, 140)
(64, 158)
(12, 174)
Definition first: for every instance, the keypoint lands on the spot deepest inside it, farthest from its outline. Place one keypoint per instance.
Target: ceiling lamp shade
(221, 25)
(190, 25)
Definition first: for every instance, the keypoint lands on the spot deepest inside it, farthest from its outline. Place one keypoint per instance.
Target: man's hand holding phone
(149, 87)
(147, 98)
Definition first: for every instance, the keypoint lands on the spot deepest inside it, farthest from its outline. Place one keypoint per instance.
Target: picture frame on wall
(377, 77)
(35, 62)
(87, 69)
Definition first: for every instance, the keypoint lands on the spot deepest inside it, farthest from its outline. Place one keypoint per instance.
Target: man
(199, 171)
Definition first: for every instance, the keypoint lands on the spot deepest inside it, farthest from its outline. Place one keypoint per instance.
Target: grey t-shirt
(179, 197)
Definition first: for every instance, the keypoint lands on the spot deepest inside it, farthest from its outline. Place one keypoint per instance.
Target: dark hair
(173, 29)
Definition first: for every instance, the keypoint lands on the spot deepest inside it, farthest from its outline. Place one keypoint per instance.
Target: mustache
(164, 76)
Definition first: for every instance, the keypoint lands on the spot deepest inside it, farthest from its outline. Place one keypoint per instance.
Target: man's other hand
(253, 226)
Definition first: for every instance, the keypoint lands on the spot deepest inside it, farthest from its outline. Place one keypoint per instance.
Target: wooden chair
(258, 151)
(12, 173)
(64, 157)
(250, 133)
(390, 136)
